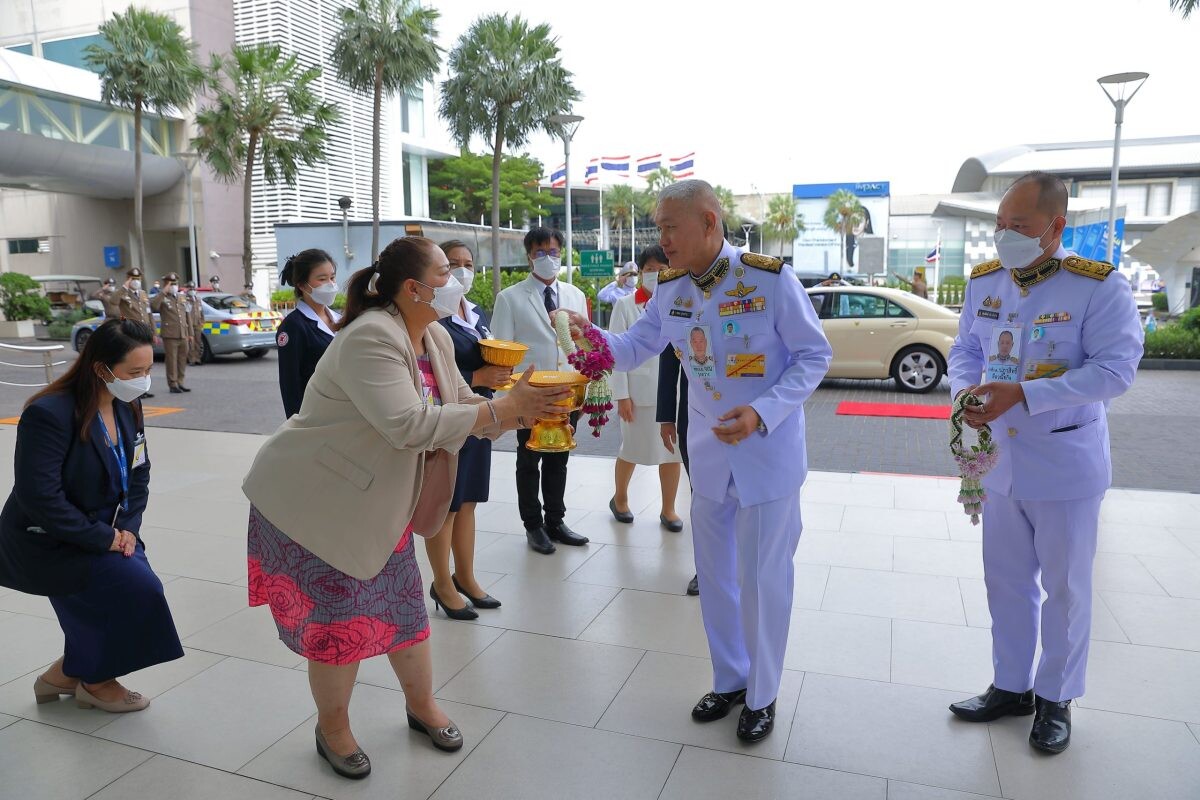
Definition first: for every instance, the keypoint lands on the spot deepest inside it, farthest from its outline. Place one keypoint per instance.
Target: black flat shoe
(461, 614)
(487, 601)
(560, 533)
(183, 388)
(754, 726)
(355, 766)
(176, 390)
(619, 516)
(994, 704)
(539, 540)
(673, 525)
(694, 586)
(716, 705)
(1051, 726)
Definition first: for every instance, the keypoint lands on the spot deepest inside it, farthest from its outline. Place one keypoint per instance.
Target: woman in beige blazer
(338, 491)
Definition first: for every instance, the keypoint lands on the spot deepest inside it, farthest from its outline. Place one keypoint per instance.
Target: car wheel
(258, 353)
(206, 353)
(918, 370)
(81, 339)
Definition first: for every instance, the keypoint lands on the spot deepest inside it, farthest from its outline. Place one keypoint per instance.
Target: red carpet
(893, 410)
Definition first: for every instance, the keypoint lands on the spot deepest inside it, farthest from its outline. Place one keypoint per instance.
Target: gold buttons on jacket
(1012, 431)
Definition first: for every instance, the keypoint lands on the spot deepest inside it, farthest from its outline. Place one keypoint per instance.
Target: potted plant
(22, 304)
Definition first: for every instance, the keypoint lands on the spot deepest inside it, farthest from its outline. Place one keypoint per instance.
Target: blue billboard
(1091, 240)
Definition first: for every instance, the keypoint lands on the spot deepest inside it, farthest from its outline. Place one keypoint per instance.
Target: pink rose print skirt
(324, 614)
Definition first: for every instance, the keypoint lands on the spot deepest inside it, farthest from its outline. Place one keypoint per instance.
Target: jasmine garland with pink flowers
(591, 357)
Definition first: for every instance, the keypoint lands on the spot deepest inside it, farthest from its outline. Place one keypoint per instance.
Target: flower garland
(974, 463)
(593, 359)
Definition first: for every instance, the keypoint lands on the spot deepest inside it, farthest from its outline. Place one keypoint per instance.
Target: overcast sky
(770, 93)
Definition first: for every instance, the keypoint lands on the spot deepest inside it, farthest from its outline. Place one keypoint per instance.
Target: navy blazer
(467, 355)
(58, 517)
(672, 405)
(301, 344)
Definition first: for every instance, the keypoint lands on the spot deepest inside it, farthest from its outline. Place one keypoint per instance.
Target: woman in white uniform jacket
(636, 396)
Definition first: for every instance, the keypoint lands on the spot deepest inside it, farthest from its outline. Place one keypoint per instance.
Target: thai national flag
(649, 163)
(935, 254)
(684, 166)
(618, 164)
(592, 173)
(558, 178)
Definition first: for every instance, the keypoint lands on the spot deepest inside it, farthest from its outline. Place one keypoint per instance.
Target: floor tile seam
(215, 623)
(890, 778)
(902, 619)
(1087, 706)
(149, 757)
(670, 772)
(617, 694)
(445, 683)
(1138, 557)
(503, 716)
(239, 657)
(117, 717)
(1195, 732)
(289, 732)
(905, 572)
(795, 712)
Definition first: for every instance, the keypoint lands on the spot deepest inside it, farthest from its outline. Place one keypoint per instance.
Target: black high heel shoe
(461, 614)
(487, 601)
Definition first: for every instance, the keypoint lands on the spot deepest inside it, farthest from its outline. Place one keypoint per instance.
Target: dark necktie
(551, 302)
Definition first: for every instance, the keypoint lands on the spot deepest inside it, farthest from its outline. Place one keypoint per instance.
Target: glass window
(19, 246)
(10, 113)
(44, 125)
(412, 114)
(1159, 203)
(851, 305)
(27, 49)
(69, 51)
(896, 310)
(818, 301)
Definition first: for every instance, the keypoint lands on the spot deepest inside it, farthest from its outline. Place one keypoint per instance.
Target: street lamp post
(188, 161)
(1120, 81)
(567, 125)
(344, 203)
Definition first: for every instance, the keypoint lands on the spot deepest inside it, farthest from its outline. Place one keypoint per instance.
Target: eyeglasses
(555, 253)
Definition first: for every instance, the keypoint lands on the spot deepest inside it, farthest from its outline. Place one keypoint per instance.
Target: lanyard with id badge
(123, 467)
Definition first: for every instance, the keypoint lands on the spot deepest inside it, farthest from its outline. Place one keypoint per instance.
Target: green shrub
(481, 289)
(1158, 301)
(60, 327)
(1190, 320)
(20, 298)
(283, 296)
(1172, 341)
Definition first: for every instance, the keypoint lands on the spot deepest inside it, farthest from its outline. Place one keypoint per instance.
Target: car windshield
(232, 303)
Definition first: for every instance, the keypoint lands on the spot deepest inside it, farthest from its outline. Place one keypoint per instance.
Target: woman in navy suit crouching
(70, 528)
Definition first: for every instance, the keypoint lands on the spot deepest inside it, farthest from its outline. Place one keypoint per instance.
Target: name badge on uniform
(679, 312)
(139, 451)
(745, 365)
(1004, 355)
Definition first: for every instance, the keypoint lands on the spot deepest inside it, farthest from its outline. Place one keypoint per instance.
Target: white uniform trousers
(744, 562)
(1058, 539)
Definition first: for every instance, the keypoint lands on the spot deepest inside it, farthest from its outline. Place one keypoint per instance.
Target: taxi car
(885, 333)
(231, 325)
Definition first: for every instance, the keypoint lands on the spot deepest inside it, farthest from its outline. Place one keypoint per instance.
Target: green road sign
(596, 263)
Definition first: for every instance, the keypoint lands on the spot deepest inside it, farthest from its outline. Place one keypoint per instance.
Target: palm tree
(655, 181)
(144, 61)
(506, 79)
(385, 46)
(843, 214)
(620, 209)
(782, 222)
(729, 214)
(1185, 6)
(265, 114)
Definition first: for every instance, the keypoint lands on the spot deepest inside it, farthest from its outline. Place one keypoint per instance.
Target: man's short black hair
(1052, 192)
(653, 252)
(537, 236)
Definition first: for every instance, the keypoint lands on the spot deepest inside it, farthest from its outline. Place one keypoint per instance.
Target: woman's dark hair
(538, 236)
(108, 345)
(405, 258)
(451, 244)
(653, 252)
(298, 267)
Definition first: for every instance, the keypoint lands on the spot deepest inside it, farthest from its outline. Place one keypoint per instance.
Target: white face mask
(650, 281)
(324, 294)
(136, 285)
(465, 276)
(1016, 250)
(172, 289)
(546, 267)
(446, 299)
(128, 390)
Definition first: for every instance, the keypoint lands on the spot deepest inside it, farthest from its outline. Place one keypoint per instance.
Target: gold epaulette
(765, 263)
(1097, 270)
(669, 274)
(986, 268)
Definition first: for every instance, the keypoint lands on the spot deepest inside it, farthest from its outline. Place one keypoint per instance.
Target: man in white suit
(522, 314)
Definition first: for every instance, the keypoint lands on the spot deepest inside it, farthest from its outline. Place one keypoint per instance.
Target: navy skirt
(474, 473)
(120, 623)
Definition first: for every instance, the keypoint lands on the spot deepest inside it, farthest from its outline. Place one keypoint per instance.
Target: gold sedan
(881, 333)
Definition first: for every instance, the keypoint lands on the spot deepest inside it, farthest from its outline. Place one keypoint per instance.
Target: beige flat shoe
(133, 701)
(45, 692)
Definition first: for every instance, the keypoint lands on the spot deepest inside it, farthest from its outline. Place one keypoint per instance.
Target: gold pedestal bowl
(502, 353)
(553, 434)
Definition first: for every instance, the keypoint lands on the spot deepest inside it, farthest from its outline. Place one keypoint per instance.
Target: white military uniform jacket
(639, 384)
(1077, 343)
(773, 358)
(520, 316)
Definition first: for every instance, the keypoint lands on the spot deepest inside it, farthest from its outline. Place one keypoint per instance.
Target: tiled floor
(580, 686)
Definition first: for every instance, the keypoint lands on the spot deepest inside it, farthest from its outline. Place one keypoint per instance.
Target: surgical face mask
(1016, 250)
(546, 267)
(650, 281)
(128, 390)
(324, 294)
(465, 276)
(446, 299)
(172, 289)
(136, 285)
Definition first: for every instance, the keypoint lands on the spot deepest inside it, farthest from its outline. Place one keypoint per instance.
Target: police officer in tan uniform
(175, 330)
(248, 294)
(131, 301)
(196, 315)
(106, 294)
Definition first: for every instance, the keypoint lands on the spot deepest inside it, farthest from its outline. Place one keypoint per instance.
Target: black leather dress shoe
(176, 390)
(694, 586)
(754, 726)
(487, 601)
(619, 516)
(539, 540)
(673, 525)
(1051, 726)
(560, 533)
(183, 388)
(994, 704)
(716, 705)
